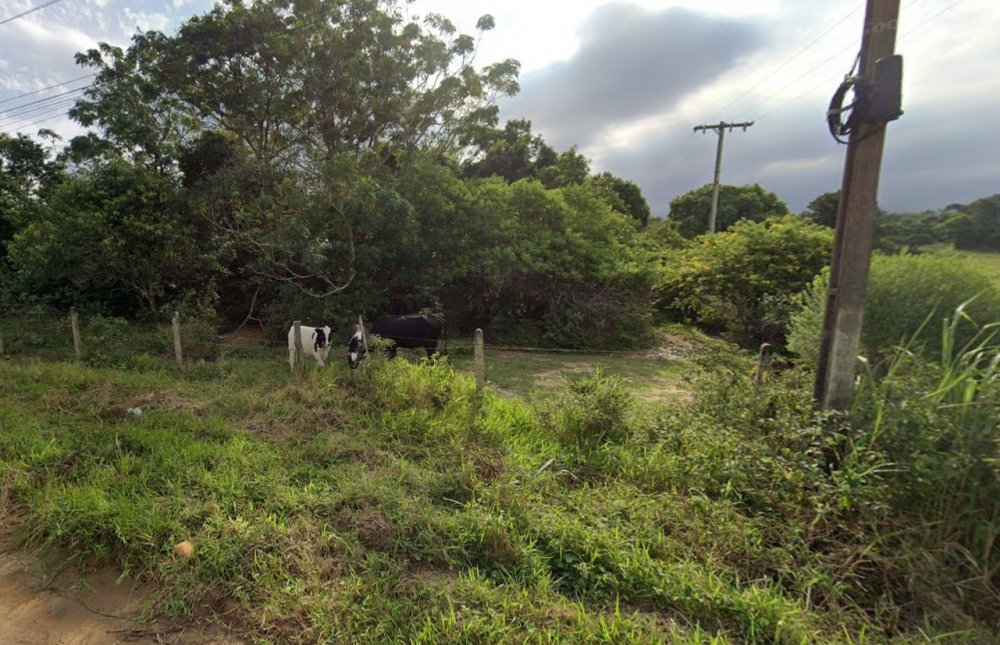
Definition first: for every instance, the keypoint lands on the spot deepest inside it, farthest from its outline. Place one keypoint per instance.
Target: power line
(838, 75)
(62, 107)
(18, 127)
(792, 58)
(924, 22)
(47, 99)
(50, 87)
(25, 13)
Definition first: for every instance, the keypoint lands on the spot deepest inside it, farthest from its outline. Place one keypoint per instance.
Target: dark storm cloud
(631, 63)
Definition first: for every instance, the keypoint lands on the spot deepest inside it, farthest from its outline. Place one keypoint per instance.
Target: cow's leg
(319, 359)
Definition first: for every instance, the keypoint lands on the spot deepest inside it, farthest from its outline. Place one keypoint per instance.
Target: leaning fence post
(175, 324)
(763, 363)
(480, 361)
(300, 365)
(74, 324)
(364, 334)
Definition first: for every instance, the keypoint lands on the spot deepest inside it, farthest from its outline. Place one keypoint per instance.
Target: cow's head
(321, 340)
(355, 347)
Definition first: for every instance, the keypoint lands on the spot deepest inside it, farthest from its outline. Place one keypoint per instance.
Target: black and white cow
(315, 341)
(415, 331)
(355, 347)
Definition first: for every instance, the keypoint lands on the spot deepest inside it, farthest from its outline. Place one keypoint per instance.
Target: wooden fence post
(480, 362)
(175, 324)
(763, 363)
(364, 334)
(74, 324)
(300, 364)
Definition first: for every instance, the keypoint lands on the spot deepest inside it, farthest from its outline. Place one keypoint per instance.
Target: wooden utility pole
(841, 334)
(721, 128)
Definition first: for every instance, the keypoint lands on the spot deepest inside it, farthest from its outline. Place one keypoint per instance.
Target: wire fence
(114, 342)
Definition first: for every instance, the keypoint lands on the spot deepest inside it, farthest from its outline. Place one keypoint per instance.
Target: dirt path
(43, 602)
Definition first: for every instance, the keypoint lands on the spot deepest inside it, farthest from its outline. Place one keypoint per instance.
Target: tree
(690, 211)
(27, 173)
(823, 209)
(624, 196)
(980, 228)
(513, 153)
(741, 281)
(108, 231)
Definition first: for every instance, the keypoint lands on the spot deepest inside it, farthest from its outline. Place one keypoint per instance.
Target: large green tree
(823, 209)
(690, 211)
(110, 237)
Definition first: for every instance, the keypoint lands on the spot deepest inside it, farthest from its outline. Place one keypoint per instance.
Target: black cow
(412, 332)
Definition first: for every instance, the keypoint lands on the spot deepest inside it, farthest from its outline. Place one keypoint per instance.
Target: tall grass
(938, 424)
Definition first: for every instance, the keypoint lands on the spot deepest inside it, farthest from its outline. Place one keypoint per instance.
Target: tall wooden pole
(721, 129)
(841, 334)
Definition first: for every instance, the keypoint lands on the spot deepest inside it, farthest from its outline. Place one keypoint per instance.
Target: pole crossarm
(722, 125)
(721, 128)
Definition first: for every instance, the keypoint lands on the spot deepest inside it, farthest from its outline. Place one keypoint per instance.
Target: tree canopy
(690, 211)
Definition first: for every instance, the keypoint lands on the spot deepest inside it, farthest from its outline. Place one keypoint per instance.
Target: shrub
(907, 295)
(593, 410)
(741, 281)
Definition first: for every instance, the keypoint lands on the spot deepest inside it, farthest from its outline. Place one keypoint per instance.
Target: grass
(988, 262)
(525, 373)
(396, 505)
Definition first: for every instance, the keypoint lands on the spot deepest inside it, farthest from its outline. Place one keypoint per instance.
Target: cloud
(631, 63)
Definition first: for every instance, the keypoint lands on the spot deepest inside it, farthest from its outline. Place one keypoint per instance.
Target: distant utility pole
(841, 336)
(721, 128)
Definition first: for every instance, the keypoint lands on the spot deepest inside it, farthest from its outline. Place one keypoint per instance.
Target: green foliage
(741, 281)
(690, 211)
(823, 209)
(936, 423)
(624, 196)
(907, 297)
(108, 232)
(397, 504)
(976, 226)
(593, 411)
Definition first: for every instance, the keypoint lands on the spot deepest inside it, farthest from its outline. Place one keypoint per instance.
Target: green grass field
(396, 505)
(988, 262)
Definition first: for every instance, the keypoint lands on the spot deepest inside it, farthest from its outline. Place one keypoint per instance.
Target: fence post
(74, 324)
(175, 324)
(480, 362)
(763, 363)
(300, 364)
(364, 334)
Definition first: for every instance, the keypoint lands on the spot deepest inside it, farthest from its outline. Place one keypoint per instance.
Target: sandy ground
(45, 602)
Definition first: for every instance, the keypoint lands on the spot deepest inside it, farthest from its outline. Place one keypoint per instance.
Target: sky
(627, 80)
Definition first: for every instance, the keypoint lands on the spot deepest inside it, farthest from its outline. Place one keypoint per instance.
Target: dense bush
(740, 282)
(907, 295)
